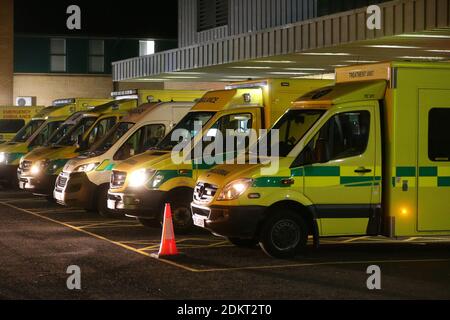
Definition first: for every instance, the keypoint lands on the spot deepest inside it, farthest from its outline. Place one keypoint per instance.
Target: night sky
(153, 19)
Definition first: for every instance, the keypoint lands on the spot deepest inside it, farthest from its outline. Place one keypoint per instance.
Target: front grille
(61, 181)
(204, 192)
(118, 179)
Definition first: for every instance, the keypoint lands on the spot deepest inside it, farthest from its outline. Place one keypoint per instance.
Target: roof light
(63, 102)
(124, 93)
(250, 67)
(275, 61)
(421, 58)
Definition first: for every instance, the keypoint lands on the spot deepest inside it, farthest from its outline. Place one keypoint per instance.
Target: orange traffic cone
(168, 245)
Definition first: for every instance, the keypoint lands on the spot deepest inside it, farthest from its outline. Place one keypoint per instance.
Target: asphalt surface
(39, 240)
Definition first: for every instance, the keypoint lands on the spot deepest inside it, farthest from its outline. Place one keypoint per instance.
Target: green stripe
(406, 172)
(428, 171)
(267, 182)
(444, 182)
(298, 172)
(168, 175)
(322, 171)
(353, 180)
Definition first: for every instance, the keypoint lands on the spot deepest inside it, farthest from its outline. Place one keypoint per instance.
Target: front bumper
(227, 221)
(41, 185)
(145, 204)
(75, 190)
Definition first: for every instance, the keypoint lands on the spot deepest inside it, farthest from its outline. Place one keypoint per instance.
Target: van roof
(342, 93)
(138, 114)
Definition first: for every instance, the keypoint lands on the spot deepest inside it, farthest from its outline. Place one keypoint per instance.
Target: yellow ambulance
(367, 156)
(38, 169)
(14, 118)
(84, 181)
(141, 185)
(36, 132)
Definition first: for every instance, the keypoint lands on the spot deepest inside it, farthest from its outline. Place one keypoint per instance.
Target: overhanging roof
(411, 30)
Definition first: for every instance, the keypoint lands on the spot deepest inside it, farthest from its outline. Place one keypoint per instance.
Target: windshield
(58, 134)
(112, 137)
(26, 132)
(45, 133)
(80, 128)
(292, 127)
(188, 124)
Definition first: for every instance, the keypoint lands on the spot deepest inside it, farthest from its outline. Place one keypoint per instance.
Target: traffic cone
(168, 245)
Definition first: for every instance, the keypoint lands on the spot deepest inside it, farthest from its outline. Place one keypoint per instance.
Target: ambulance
(14, 118)
(39, 169)
(84, 181)
(367, 156)
(36, 132)
(141, 185)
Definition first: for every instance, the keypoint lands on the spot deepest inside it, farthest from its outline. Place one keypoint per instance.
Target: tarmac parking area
(38, 237)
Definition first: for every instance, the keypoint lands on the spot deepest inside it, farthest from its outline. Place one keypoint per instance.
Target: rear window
(11, 125)
(439, 134)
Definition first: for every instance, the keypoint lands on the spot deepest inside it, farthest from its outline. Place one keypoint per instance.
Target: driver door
(340, 178)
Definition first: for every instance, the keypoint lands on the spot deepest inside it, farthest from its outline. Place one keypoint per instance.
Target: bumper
(75, 190)
(146, 204)
(8, 173)
(233, 222)
(41, 185)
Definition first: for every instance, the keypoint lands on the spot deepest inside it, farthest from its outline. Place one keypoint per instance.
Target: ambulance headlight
(235, 189)
(3, 158)
(39, 167)
(88, 167)
(140, 177)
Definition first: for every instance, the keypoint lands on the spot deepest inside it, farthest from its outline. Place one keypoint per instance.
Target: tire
(180, 203)
(150, 223)
(244, 243)
(101, 204)
(284, 235)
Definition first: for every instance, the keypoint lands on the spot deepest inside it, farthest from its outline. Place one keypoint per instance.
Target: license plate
(199, 221)
(22, 185)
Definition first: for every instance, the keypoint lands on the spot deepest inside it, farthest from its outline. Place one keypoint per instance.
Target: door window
(439, 134)
(100, 129)
(345, 135)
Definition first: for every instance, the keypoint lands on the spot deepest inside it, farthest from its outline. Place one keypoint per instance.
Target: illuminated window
(58, 55)
(146, 47)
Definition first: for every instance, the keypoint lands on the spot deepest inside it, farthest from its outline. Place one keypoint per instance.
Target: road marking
(172, 263)
(316, 264)
(355, 239)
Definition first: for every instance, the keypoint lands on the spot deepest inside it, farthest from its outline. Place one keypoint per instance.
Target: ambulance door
(340, 179)
(434, 160)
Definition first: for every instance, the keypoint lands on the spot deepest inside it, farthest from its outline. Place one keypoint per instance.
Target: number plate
(58, 196)
(199, 221)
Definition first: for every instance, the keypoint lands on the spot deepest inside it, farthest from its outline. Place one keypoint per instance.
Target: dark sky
(150, 18)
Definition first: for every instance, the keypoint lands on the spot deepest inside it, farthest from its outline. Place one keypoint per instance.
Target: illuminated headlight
(235, 189)
(87, 167)
(3, 157)
(140, 177)
(39, 166)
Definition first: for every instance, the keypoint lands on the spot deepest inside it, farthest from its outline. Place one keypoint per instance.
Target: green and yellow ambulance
(38, 169)
(141, 185)
(14, 118)
(36, 132)
(84, 181)
(367, 156)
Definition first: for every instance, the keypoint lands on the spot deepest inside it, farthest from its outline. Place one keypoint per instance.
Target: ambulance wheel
(244, 243)
(102, 203)
(181, 211)
(284, 235)
(150, 223)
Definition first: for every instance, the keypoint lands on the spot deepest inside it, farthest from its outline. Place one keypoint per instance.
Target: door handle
(363, 170)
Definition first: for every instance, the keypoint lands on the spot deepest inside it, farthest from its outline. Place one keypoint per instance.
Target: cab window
(26, 132)
(79, 129)
(345, 135)
(100, 129)
(144, 138)
(233, 125)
